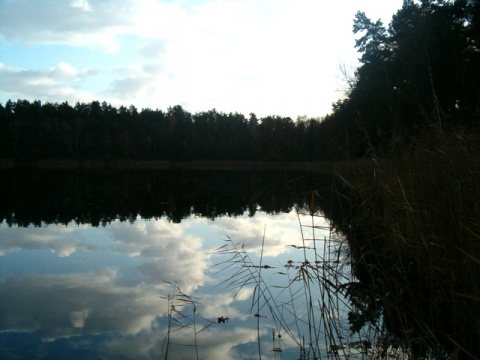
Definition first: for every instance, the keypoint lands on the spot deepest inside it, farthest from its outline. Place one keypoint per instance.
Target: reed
(182, 315)
(304, 300)
(404, 276)
(414, 238)
(394, 272)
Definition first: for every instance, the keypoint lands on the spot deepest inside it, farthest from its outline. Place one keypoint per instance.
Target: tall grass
(394, 274)
(304, 300)
(182, 315)
(414, 238)
(411, 218)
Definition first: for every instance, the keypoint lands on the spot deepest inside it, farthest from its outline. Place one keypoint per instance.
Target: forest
(418, 75)
(410, 215)
(32, 131)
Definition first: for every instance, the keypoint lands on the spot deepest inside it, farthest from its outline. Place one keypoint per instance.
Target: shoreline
(315, 166)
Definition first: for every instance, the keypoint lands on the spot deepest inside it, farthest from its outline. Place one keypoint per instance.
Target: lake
(178, 264)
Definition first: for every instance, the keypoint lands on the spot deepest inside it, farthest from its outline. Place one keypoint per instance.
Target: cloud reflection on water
(64, 305)
(60, 240)
(168, 253)
(130, 316)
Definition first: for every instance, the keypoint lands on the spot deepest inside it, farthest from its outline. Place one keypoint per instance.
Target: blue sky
(270, 57)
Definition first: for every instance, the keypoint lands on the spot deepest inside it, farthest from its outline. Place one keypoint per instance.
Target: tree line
(34, 130)
(421, 73)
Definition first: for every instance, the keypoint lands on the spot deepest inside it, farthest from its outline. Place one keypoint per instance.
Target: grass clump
(393, 273)
(414, 236)
(302, 302)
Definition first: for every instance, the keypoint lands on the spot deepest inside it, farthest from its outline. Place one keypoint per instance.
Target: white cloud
(81, 4)
(94, 303)
(216, 343)
(58, 239)
(263, 56)
(153, 48)
(75, 304)
(56, 84)
(98, 302)
(63, 71)
(226, 305)
(169, 253)
(78, 23)
(280, 232)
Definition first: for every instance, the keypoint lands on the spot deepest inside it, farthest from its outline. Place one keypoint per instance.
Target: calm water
(79, 283)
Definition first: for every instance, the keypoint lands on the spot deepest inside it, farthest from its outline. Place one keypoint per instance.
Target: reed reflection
(99, 291)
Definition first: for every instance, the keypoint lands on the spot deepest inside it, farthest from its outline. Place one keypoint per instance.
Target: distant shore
(315, 166)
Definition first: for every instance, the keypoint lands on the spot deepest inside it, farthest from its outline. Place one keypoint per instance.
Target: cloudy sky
(269, 57)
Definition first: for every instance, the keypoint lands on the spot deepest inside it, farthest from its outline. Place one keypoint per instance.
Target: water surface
(85, 275)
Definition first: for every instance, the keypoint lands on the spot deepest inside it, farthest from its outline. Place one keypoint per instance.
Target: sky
(269, 57)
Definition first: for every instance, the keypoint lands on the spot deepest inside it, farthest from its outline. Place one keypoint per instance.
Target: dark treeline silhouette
(34, 130)
(39, 197)
(420, 72)
(418, 84)
(419, 75)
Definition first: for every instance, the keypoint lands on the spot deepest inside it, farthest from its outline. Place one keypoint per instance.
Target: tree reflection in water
(289, 292)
